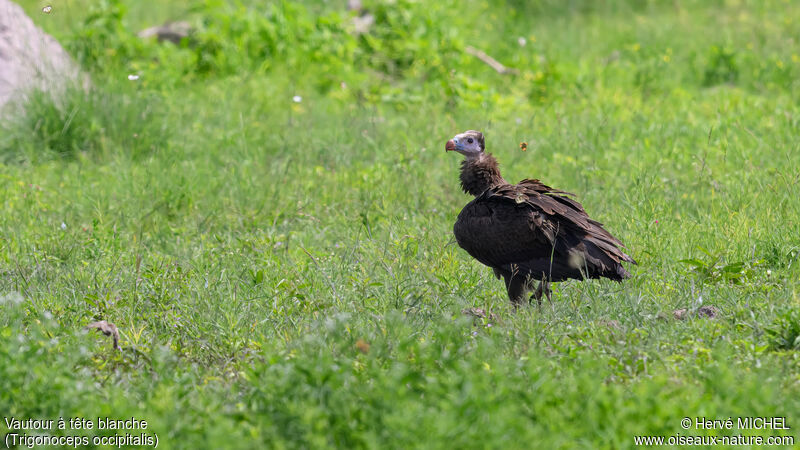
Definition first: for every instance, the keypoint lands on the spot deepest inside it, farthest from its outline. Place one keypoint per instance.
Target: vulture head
(469, 143)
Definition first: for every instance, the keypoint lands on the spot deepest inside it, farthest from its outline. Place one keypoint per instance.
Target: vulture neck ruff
(479, 174)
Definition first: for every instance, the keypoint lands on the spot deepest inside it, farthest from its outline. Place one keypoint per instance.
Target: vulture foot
(518, 286)
(543, 289)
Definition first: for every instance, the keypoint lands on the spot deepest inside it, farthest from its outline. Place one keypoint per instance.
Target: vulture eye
(469, 140)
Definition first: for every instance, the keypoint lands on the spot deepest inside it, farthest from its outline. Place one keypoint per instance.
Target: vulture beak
(450, 146)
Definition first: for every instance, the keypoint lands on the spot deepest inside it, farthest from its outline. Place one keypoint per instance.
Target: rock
(680, 314)
(362, 346)
(173, 32)
(364, 20)
(362, 24)
(107, 328)
(31, 59)
(354, 5)
(708, 312)
(480, 313)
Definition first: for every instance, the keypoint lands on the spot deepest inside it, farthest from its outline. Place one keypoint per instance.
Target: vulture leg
(538, 294)
(516, 286)
(544, 288)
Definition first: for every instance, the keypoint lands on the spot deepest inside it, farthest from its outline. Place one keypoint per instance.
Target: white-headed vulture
(528, 232)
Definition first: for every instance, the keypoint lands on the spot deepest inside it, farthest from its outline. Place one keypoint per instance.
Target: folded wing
(539, 231)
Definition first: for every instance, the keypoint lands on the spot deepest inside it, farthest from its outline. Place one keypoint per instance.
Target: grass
(283, 274)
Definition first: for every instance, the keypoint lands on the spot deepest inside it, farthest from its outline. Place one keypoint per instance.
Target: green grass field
(283, 274)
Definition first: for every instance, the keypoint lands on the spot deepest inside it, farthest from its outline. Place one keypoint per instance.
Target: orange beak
(450, 146)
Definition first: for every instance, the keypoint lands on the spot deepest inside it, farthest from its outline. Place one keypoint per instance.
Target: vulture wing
(539, 231)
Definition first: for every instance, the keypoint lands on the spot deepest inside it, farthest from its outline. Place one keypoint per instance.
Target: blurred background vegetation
(414, 55)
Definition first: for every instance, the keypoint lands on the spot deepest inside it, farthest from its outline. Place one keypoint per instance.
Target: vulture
(528, 232)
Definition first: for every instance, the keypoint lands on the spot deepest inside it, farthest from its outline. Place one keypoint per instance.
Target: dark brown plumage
(528, 231)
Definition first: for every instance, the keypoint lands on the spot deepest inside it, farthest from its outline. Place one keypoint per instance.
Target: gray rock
(173, 32)
(31, 59)
(354, 5)
(362, 24)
